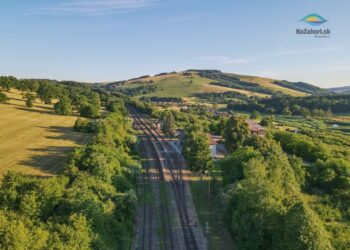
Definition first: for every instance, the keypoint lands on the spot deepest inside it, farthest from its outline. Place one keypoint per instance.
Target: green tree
(29, 99)
(304, 230)
(305, 112)
(76, 234)
(236, 132)
(89, 110)
(286, 111)
(63, 106)
(254, 115)
(3, 98)
(14, 234)
(29, 84)
(5, 83)
(255, 208)
(267, 121)
(298, 168)
(46, 92)
(197, 151)
(168, 124)
(232, 166)
(83, 125)
(332, 174)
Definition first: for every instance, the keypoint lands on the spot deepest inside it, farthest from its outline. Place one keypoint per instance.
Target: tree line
(322, 105)
(223, 98)
(68, 96)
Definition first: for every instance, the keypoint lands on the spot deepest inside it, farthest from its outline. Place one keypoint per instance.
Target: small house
(217, 147)
(255, 128)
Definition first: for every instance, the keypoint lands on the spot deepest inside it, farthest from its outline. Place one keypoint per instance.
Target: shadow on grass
(47, 111)
(63, 133)
(49, 160)
(52, 159)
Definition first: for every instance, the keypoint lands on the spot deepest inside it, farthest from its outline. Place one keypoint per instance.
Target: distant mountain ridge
(340, 90)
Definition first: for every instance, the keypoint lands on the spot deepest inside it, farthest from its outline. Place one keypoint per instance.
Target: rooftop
(254, 126)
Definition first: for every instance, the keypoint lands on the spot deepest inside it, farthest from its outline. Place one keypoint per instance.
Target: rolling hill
(340, 90)
(187, 84)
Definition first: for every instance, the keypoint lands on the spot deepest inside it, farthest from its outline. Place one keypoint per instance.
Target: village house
(217, 148)
(255, 128)
(216, 142)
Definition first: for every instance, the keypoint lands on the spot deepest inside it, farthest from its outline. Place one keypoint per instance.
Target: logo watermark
(314, 20)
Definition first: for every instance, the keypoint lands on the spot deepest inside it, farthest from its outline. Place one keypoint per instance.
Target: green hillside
(189, 84)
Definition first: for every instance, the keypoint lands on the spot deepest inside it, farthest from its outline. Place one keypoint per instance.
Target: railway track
(148, 210)
(175, 166)
(168, 241)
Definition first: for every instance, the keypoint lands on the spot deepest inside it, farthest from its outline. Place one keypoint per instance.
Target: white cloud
(94, 7)
(223, 60)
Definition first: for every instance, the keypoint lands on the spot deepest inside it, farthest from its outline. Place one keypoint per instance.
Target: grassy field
(333, 131)
(35, 140)
(337, 123)
(210, 215)
(268, 83)
(178, 85)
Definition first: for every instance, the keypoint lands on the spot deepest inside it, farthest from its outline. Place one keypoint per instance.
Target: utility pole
(208, 173)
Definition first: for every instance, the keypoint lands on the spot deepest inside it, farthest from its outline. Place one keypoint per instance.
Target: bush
(3, 98)
(83, 125)
(63, 106)
(254, 115)
(90, 111)
(267, 121)
(331, 175)
(302, 146)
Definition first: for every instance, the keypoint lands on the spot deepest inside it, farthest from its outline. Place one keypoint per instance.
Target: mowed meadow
(35, 140)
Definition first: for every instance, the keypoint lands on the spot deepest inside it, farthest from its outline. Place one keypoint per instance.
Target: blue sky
(106, 40)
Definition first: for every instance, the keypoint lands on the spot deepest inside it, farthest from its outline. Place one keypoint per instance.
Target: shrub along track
(192, 236)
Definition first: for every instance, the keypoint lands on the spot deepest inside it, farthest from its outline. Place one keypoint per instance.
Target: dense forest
(89, 206)
(334, 103)
(302, 87)
(156, 99)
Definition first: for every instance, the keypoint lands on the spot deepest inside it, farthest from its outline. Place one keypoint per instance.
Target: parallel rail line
(165, 213)
(177, 184)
